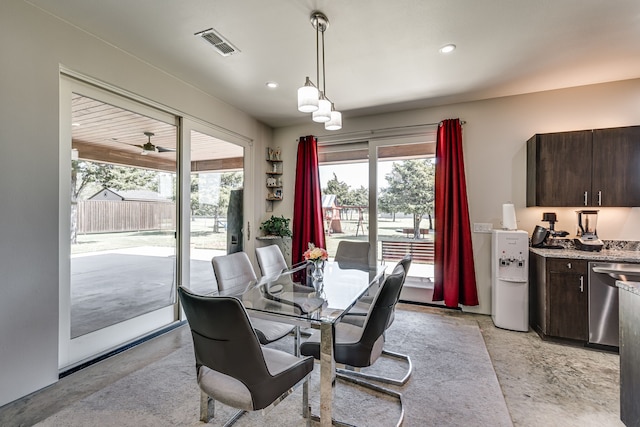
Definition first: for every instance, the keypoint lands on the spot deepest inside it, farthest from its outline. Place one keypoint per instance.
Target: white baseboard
(418, 289)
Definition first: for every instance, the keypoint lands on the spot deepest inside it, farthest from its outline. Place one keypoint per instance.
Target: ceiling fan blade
(164, 149)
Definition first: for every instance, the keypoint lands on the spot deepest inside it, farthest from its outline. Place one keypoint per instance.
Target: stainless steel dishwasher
(603, 300)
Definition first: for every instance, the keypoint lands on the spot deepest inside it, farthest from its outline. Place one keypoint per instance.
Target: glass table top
(320, 301)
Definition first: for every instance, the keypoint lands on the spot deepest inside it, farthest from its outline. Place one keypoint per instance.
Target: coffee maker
(587, 237)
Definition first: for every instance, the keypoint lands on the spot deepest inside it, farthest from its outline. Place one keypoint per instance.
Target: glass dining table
(319, 305)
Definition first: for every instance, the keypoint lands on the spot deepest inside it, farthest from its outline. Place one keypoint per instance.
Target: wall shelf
(273, 174)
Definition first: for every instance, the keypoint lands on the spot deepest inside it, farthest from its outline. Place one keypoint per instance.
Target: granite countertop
(633, 287)
(613, 255)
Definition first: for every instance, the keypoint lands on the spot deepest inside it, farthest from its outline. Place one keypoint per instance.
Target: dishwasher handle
(632, 274)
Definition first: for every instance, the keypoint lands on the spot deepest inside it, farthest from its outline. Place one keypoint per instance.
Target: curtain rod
(363, 134)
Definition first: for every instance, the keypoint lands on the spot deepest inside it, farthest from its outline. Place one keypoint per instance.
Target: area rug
(453, 384)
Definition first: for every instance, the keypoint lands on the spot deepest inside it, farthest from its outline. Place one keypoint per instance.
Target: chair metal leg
(386, 380)
(296, 341)
(379, 389)
(334, 422)
(370, 386)
(306, 410)
(207, 410)
(235, 417)
(207, 407)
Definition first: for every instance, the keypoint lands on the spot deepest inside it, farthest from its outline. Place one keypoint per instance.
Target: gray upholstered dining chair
(236, 270)
(270, 260)
(357, 316)
(231, 365)
(353, 254)
(360, 346)
(358, 311)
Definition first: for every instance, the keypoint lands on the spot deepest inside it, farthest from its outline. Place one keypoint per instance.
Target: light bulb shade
(323, 114)
(335, 123)
(308, 98)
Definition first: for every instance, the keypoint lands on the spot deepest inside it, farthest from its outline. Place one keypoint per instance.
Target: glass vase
(318, 270)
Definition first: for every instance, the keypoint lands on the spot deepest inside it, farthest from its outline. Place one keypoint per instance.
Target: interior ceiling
(381, 56)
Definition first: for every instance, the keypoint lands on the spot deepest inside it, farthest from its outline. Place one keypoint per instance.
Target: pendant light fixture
(310, 98)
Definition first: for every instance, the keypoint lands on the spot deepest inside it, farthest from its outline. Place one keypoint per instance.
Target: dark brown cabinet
(558, 297)
(616, 167)
(584, 168)
(558, 168)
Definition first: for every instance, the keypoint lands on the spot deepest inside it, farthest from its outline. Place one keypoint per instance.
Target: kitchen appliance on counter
(541, 236)
(603, 300)
(587, 237)
(552, 218)
(510, 279)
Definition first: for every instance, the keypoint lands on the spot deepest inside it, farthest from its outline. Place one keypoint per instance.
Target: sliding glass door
(382, 191)
(216, 206)
(344, 178)
(405, 208)
(118, 176)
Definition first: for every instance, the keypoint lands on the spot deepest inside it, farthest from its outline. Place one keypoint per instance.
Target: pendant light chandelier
(310, 98)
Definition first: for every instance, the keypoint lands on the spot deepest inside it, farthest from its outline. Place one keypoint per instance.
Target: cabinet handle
(568, 265)
(585, 198)
(581, 283)
(599, 198)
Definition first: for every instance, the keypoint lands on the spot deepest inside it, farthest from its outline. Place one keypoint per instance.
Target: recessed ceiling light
(271, 85)
(448, 48)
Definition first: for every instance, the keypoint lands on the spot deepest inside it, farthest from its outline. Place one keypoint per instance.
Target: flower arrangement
(315, 254)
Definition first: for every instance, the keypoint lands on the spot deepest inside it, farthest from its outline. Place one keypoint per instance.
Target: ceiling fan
(148, 147)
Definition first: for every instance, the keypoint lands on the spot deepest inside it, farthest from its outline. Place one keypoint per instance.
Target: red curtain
(455, 279)
(308, 226)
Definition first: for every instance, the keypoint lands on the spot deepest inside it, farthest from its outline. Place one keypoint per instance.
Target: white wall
(34, 45)
(494, 138)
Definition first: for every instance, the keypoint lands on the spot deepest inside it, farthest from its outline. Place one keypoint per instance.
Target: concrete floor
(550, 384)
(544, 383)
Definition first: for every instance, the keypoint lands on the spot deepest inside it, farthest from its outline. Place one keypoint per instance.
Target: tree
(228, 181)
(103, 175)
(387, 202)
(340, 189)
(358, 197)
(210, 194)
(411, 189)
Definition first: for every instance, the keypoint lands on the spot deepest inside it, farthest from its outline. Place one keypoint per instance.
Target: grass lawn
(203, 236)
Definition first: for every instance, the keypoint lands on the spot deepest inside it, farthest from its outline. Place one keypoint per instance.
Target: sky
(354, 174)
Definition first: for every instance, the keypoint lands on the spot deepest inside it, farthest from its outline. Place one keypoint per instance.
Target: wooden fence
(102, 216)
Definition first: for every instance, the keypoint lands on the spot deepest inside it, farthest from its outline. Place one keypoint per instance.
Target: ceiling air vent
(222, 46)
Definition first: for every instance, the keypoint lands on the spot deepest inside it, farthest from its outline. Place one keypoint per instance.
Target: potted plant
(276, 226)
(276, 230)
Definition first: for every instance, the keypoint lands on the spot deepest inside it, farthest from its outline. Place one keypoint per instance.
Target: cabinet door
(568, 315)
(567, 299)
(559, 168)
(616, 167)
